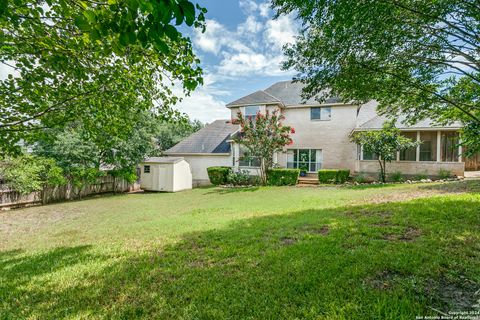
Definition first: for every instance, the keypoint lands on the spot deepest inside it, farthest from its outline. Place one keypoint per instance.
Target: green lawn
(378, 252)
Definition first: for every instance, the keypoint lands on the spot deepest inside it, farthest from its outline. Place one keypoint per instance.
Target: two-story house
(321, 139)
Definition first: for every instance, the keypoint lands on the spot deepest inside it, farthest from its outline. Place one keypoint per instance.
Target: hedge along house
(321, 139)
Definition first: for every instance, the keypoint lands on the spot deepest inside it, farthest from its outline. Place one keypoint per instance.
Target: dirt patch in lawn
(384, 280)
(409, 234)
(459, 294)
(287, 241)
(321, 230)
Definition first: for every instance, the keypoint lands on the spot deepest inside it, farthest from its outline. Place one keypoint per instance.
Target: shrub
(333, 175)
(241, 178)
(421, 176)
(343, 175)
(218, 175)
(282, 177)
(327, 176)
(397, 176)
(360, 178)
(444, 174)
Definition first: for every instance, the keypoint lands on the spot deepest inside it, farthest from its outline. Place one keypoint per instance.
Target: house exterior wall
(200, 163)
(331, 136)
(429, 168)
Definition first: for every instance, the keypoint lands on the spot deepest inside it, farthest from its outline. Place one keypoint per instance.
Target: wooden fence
(12, 199)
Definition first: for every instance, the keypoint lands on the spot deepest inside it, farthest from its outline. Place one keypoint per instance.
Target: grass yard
(377, 252)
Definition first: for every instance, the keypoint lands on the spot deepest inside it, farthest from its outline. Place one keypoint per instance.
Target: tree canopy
(418, 57)
(97, 62)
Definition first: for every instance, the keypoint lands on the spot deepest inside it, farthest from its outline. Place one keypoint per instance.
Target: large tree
(419, 57)
(97, 62)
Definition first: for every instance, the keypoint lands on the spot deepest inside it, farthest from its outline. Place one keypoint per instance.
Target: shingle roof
(368, 118)
(287, 93)
(162, 160)
(210, 139)
(258, 97)
(378, 121)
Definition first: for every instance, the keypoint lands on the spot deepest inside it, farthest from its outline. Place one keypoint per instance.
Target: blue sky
(241, 52)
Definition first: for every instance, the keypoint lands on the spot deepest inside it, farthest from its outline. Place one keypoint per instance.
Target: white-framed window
(321, 113)
(146, 169)
(250, 112)
(245, 160)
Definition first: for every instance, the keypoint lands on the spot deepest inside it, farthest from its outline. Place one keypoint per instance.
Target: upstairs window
(146, 169)
(321, 113)
(250, 112)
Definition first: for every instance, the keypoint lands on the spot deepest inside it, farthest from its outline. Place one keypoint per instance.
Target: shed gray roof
(210, 139)
(162, 160)
(287, 93)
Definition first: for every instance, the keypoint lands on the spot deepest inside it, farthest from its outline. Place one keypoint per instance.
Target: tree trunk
(382, 170)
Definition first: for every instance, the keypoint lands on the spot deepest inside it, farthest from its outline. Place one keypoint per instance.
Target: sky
(240, 52)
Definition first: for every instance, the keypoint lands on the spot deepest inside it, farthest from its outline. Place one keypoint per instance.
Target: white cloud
(251, 25)
(253, 48)
(250, 6)
(203, 106)
(280, 31)
(203, 103)
(217, 37)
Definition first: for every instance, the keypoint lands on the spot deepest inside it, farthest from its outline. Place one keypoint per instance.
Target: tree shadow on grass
(332, 263)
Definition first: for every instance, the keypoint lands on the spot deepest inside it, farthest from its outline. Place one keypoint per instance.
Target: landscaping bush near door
(218, 175)
(282, 177)
(243, 178)
(333, 175)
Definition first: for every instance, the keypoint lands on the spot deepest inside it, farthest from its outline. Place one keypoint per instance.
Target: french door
(308, 159)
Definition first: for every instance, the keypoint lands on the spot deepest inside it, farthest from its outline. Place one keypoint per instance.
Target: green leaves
(262, 137)
(383, 143)
(98, 63)
(414, 57)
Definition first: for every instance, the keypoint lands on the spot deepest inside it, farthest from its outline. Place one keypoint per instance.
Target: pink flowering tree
(262, 136)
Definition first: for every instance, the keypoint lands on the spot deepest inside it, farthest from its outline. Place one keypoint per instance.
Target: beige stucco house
(321, 139)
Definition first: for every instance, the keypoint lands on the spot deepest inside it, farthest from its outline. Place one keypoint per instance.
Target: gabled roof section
(378, 121)
(286, 93)
(258, 97)
(213, 138)
(369, 119)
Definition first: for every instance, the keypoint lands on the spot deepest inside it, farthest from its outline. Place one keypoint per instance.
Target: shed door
(162, 178)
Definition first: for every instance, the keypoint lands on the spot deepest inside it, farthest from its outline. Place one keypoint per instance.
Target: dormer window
(321, 113)
(250, 112)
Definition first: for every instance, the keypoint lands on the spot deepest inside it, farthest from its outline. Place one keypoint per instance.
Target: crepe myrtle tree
(384, 144)
(262, 136)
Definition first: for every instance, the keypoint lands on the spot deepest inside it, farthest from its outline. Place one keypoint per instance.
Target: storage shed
(168, 174)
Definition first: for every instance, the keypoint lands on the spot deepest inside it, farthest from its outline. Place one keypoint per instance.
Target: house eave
(197, 154)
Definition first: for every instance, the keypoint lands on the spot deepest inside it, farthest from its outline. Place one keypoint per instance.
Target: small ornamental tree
(384, 144)
(262, 137)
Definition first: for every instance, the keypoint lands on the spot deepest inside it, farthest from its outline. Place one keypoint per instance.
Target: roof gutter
(196, 154)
